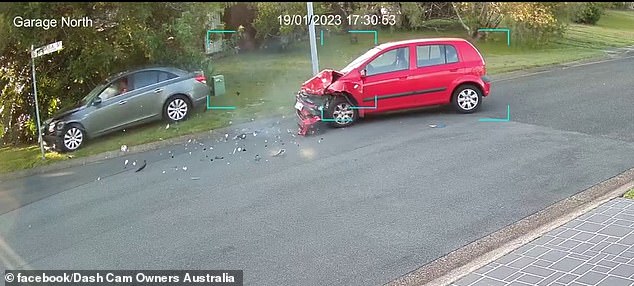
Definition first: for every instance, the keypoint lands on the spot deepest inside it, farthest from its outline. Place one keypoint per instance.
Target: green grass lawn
(629, 194)
(18, 158)
(263, 84)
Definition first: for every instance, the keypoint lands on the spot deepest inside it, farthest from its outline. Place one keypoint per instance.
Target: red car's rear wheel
(467, 98)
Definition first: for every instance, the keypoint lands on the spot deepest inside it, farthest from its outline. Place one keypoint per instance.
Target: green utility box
(218, 85)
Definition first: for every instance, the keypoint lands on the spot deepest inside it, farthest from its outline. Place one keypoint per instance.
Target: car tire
(177, 108)
(73, 137)
(341, 113)
(467, 98)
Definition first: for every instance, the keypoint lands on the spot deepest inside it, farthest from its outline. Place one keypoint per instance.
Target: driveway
(356, 206)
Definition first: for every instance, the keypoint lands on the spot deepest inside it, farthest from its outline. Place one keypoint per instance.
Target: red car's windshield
(360, 60)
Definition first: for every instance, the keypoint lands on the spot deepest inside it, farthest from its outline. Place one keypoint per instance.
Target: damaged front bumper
(309, 110)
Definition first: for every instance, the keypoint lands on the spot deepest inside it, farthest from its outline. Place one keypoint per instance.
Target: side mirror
(96, 101)
(363, 72)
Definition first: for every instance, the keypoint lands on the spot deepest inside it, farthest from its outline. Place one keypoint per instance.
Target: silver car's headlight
(51, 127)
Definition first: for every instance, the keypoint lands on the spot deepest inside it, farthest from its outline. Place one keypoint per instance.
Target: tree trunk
(478, 35)
(460, 18)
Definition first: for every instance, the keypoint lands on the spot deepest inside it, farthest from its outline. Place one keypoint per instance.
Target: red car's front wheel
(342, 113)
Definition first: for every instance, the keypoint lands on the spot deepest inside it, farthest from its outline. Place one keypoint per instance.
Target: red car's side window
(389, 61)
(431, 55)
(451, 54)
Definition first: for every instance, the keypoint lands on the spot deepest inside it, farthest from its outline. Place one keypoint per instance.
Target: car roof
(419, 41)
(173, 70)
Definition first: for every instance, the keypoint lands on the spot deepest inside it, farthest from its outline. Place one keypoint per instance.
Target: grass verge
(629, 194)
(263, 84)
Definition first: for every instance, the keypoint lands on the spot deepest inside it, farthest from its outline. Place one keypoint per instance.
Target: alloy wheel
(73, 138)
(343, 113)
(468, 99)
(177, 109)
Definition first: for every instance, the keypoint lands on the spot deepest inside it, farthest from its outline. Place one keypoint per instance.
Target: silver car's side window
(147, 78)
(114, 89)
(163, 76)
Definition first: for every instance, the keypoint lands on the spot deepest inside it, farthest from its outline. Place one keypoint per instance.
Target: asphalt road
(356, 206)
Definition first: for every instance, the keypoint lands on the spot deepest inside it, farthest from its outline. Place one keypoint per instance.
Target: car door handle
(158, 90)
(453, 70)
(123, 102)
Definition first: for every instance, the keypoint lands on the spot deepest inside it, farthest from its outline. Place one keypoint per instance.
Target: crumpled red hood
(318, 84)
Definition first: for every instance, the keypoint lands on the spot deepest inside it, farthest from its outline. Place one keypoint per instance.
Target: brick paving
(596, 248)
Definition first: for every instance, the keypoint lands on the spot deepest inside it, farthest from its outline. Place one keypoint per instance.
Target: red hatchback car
(395, 76)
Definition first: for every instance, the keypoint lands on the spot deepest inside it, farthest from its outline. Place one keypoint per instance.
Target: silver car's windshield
(360, 60)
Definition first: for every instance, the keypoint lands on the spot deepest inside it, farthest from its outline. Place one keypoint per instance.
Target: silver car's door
(138, 106)
(106, 116)
(147, 103)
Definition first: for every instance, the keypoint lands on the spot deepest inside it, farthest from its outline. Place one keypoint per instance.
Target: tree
(427, 15)
(531, 23)
(476, 15)
(270, 29)
(123, 36)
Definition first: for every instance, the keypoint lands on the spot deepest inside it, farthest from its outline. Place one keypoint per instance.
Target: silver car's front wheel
(73, 138)
(176, 109)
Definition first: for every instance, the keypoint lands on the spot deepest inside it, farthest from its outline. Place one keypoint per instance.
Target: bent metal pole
(37, 108)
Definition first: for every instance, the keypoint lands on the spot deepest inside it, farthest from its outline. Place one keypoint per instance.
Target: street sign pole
(37, 108)
(45, 50)
(313, 40)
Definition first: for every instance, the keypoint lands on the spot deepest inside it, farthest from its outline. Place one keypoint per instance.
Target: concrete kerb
(460, 262)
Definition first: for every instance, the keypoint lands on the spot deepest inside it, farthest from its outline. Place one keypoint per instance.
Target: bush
(589, 13)
(620, 5)
(535, 24)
